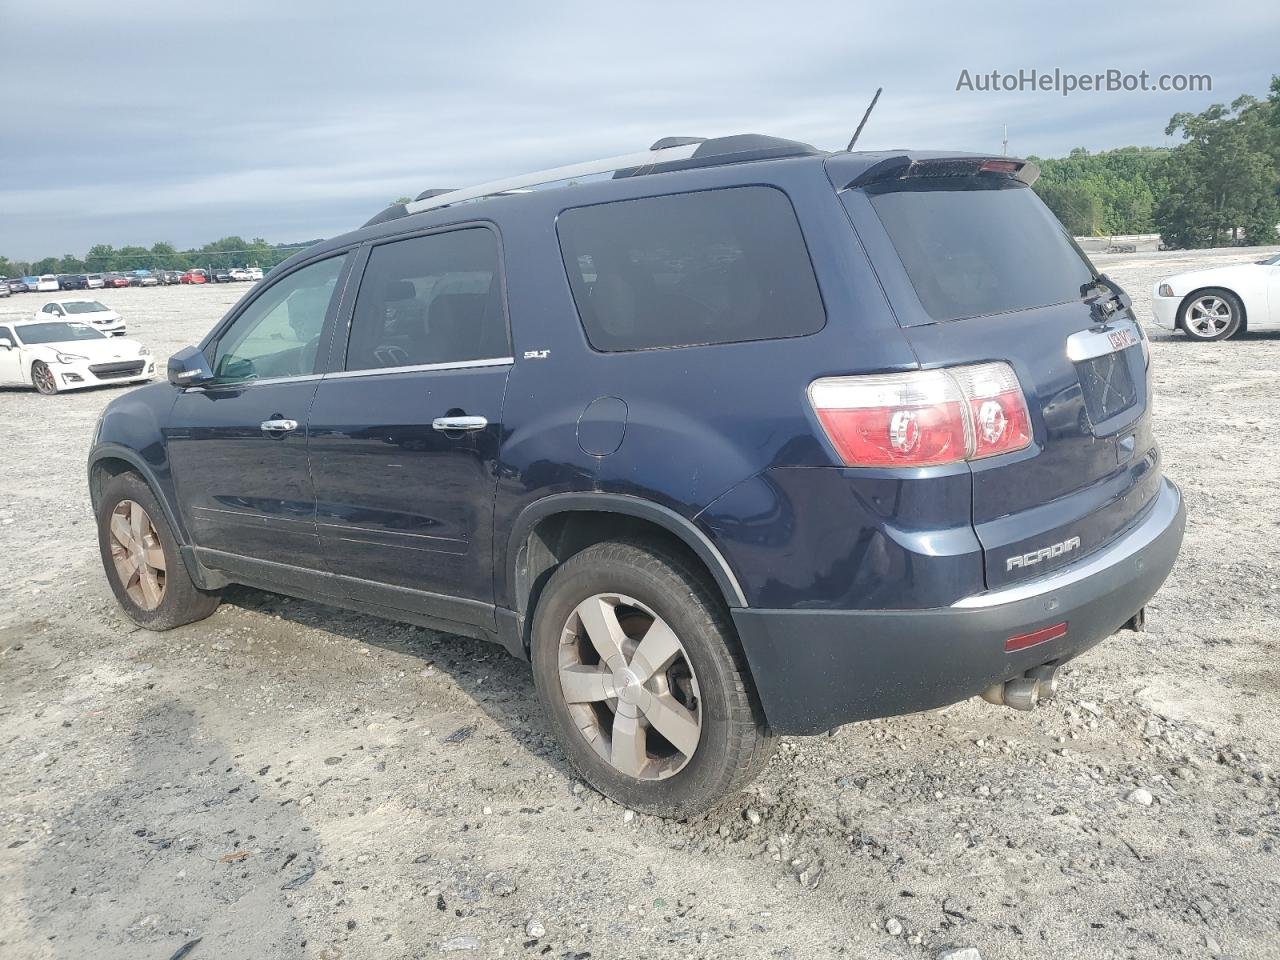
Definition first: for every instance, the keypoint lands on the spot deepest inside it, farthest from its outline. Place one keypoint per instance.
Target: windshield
(981, 249)
(33, 333)
(84, 306)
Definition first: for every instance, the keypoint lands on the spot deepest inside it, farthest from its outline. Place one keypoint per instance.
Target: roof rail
(553, 175)
(667, 154)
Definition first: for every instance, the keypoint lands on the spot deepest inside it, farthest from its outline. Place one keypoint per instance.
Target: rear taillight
(923, 418)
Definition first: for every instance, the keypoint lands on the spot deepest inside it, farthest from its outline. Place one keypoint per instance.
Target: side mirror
(189, 368)
(6, 343)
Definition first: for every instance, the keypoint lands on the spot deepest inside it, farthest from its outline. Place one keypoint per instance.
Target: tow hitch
(1138, 622)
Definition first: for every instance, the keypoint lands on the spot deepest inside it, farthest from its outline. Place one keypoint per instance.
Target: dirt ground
(289, 780)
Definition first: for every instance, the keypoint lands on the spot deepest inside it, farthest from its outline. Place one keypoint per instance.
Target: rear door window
(717, 266)
(980, 250)
(435, 299)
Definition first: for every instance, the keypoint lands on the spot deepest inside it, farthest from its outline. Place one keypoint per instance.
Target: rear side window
(430, 300)
(719, 266)
(977, 251)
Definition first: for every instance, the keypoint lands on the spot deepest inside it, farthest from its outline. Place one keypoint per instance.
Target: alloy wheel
(1208, 316)
(630, 686)
(44, 379)
(137, 554)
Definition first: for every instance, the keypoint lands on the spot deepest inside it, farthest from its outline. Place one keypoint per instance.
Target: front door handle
(458, 424)
(279, 426)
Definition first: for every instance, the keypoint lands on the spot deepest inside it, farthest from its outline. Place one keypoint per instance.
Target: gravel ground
(290, 780)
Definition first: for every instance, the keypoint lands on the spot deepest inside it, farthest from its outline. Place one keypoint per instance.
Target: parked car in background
(57, 355)
(143, 278)
(805, 438)
(97, 315)
(93, 281)
(222, 275)
(1218, 303)
(168, 277)
(4, 287)
(194, 276)
(255, 273)
(239, 273)
(114, 280)
(48, 283)
(17, 285)
(74, 281)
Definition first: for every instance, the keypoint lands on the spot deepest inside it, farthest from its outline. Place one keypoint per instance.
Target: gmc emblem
(1120, 339)
(1044, 553)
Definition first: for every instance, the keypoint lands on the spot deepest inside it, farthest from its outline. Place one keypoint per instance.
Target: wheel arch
(1185, 303)
(550, 531)
(109, 460)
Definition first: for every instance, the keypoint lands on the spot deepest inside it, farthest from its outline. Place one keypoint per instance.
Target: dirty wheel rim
(43, 377)
(137, 554)
(1209, 316)
(630, 687)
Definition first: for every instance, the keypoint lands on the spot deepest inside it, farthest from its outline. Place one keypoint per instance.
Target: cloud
(292, 120)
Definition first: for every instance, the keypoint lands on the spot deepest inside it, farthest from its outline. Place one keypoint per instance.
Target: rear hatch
(978, 269)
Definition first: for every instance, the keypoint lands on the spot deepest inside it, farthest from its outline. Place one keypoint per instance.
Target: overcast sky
(143, 121)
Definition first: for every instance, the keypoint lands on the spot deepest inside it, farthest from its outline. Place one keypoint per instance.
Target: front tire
(1210, 315)
(43, 379)
(638, 667)
(142, 560)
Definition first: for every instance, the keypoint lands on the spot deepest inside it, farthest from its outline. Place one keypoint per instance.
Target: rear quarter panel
(700, 420)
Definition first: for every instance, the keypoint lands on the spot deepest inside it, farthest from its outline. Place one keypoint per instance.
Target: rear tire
(672, 738)
(142, 561)
(1210, 315)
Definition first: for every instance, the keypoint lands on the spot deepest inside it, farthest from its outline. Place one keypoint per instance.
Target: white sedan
(1219, 303)
(97, 315)
(57, 355)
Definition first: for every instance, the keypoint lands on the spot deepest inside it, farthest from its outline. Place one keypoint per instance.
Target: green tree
(165, 256)
(1078, 207)
(1220, 185)
(1103, 193)
(100, 258)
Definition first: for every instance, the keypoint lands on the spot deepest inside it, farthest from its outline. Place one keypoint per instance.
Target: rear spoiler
(903, 167)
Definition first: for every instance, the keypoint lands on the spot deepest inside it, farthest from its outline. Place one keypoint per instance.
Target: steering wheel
(389, 355)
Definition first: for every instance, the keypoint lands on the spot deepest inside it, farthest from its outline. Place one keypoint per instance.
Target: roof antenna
(870, 107)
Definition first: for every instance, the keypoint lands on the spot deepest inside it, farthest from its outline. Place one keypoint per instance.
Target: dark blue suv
(730, 438)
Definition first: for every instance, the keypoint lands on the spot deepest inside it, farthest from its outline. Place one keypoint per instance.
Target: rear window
(718, 266)
(980, 250)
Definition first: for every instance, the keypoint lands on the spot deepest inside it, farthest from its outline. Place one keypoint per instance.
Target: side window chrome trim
(246, 384)
(345, 374)
(420, 368)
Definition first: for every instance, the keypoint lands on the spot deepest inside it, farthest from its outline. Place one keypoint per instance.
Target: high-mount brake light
(1000, 166)
(923, 417)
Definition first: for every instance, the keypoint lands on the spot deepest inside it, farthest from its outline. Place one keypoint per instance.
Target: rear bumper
(817, 669)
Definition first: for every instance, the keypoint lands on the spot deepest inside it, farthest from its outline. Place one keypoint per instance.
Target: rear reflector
(1024, 640)
(924, 417)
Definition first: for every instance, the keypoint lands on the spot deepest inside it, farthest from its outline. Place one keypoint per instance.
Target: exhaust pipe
(1020, 693)
(1023, 693)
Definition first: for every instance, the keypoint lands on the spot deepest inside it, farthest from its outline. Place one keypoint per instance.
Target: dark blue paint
(717, 444)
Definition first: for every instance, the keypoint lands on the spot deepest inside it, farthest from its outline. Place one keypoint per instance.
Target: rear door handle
(458, 424)
(279, 426)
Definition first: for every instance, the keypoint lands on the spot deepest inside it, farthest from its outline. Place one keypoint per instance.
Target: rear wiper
(1115, 299)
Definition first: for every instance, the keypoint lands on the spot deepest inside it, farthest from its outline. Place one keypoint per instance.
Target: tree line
(104, 258)
(1220, 186)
